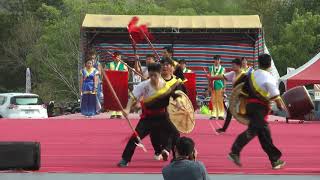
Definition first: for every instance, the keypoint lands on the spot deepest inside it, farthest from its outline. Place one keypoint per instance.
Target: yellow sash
(164, 90)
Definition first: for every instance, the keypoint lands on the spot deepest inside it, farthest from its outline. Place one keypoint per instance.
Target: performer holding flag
(162, 142)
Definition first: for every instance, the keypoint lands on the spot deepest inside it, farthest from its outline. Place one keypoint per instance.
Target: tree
(299, 41)
(55, 59)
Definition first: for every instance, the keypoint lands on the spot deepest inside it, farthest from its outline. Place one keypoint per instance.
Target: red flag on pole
(136, 32)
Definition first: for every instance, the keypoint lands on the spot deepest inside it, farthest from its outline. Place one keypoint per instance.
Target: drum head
(235, 105)
(182, 118)
(298, 102)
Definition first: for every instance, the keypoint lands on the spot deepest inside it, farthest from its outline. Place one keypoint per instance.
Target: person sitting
(185, 166)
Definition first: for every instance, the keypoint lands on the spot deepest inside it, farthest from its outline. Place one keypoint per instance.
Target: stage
(75, 144)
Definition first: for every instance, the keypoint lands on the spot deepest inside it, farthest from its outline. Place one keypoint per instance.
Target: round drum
(297, 101)
(237, 105)
(181, 117)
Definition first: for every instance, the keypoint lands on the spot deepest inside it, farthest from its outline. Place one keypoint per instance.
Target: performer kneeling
(261, 88)
(155, 93)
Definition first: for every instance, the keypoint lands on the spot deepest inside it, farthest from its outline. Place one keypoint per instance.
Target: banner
(191, 88)
(119, 82)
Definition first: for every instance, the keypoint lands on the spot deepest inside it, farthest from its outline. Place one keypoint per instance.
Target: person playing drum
(260, 88)
(155, 93)
(167, 73)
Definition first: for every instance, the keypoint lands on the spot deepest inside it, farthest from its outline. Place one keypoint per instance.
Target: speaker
(19, 155)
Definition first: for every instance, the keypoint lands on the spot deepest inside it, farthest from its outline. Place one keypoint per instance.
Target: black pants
(257, 127)
(162, 141)
(227, 121)
(145, 127)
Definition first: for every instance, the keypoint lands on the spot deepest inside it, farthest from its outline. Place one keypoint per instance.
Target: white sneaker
(157, 157)
(165, 155)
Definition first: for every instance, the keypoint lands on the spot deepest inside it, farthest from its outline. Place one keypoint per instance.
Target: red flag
(119, 82)
(191, 88)
(137, 32)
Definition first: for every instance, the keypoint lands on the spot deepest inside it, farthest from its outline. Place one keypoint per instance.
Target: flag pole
(139, 144)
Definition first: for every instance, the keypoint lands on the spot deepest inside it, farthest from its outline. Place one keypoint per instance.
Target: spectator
(185, 166)
(89, 87)
(50, 109)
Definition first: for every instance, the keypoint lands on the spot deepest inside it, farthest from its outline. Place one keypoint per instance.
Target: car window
(26, 100)
(2, 100)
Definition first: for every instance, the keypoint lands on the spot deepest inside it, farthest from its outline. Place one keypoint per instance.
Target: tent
(307, 74)
(274, 70)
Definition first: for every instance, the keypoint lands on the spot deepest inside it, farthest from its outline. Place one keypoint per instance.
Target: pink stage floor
(79, 145)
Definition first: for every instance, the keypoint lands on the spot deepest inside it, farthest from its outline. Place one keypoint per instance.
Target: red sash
(147, 112)
(258, 101)
(119, 82)
(191, 88)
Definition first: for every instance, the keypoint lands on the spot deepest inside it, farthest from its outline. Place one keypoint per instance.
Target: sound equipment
(19, 156)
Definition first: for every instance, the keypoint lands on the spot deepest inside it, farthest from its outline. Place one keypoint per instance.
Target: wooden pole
(122, 110)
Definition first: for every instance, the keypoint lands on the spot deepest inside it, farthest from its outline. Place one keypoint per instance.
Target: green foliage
(299, 41)
(44, 34)
(55, 59)
(48, 14)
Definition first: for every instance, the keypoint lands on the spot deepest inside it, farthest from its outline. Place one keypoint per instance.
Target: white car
(22, 105)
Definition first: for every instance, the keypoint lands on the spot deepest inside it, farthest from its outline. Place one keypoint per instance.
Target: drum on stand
(298, 102)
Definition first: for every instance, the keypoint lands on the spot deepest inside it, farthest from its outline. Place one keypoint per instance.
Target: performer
(244, 65)
(261, 88)
(155, 93)
(89, 87)
(167, 74)
(116, 65)
(98, 66)
(217, 90)
(183, 66)
(233, 76)
(168, 53)
(150, 58)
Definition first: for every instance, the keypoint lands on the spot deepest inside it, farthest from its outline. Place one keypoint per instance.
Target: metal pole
(28, 81)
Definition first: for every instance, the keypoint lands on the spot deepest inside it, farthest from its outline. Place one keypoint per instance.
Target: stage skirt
(89, 104)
